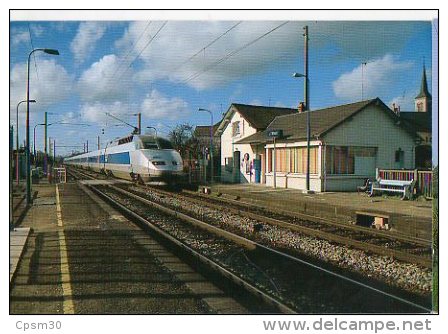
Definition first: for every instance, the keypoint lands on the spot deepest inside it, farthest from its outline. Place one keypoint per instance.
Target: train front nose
(163, 161)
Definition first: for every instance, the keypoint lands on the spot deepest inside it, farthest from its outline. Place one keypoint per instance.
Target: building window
(420, 106)
(342, 159)
(228, 164)
(293, 160)
(235, 128)
(246, 163)
(399, 157)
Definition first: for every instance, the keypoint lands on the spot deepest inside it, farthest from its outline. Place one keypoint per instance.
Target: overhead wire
(133, 45)
(139, 54)
(232, 53)
(32, 48)
(144, 48)
(209, 44)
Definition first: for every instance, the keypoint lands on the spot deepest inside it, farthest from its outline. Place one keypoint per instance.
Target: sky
(168, 69)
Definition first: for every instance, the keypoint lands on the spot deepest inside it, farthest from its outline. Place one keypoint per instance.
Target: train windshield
(160, 144)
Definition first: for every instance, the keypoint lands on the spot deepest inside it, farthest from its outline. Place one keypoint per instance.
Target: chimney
(301, 107)
(396, 108)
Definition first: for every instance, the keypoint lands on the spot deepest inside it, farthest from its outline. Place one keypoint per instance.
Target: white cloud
(279, 104)
(99, 82)
(256, 102)
(406, 102)
(165, 57)
(37, 30)
(96, 112)
(53, 85)
(19, 36)
(159, 106)
(85, 40)
(375, 79)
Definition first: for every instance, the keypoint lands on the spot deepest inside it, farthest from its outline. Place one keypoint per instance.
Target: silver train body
(136, 157)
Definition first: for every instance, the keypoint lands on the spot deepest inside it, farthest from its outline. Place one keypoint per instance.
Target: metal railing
(423, 178)
(59, 175)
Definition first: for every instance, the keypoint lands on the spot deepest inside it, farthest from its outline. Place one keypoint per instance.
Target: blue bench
(395, 186)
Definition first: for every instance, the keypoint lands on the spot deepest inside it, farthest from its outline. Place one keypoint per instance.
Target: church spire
(424, 86)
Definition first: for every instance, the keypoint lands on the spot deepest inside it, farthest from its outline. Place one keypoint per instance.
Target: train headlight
(174, 163)
(158, 163)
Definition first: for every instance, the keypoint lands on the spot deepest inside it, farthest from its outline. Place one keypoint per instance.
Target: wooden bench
(396, 186)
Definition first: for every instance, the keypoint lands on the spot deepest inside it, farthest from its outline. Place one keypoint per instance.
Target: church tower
(423, 101)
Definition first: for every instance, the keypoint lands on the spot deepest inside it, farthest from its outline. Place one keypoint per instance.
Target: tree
(182, 138)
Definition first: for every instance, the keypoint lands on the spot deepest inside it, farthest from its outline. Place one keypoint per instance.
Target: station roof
(204, 130)
(418, 121)
(258, 117)
(321, 121)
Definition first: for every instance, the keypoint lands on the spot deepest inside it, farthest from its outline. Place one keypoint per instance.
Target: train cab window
(164, 144)
(160, 144)
(150, 145)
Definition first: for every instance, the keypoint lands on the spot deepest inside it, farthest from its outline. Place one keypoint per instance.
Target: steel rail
(317, 233)
(223, 233)
(365, 246)
(391, 235)
(193, 253)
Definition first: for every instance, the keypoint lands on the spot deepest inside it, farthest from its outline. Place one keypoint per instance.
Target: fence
(59, 175)
(423, 178)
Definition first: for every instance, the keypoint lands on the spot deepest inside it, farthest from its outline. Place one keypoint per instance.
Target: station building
(202, 135)
(348, 142)
(242, 162)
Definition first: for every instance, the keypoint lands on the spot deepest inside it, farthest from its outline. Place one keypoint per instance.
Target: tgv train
(136, 157)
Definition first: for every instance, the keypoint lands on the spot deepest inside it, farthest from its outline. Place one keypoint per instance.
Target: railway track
(202, 207)
(283, 281)
(161, 227)
(411, 250)
(377, 242)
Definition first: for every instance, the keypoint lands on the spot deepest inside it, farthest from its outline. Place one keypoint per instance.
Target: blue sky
(168, 69)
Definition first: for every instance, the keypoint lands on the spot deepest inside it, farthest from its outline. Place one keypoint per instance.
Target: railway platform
(411, 218)
(80, 256)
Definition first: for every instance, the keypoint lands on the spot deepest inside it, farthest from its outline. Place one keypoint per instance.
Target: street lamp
(211, 141)
(34, 141)
(28, 166)
(17, 138)
(155, 130)
(308, 126)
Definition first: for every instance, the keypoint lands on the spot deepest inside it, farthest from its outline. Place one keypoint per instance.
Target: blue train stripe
(119, 158)
(122, 158)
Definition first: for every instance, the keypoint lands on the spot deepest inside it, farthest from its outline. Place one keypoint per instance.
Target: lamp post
(17, 139)
(211, 142)
(34, 139)
(151, 127)
(308, 126)
(28, 166)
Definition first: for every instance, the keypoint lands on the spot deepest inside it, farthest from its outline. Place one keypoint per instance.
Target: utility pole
(50, 149)
(11, 172)
(87, 146)
(137, 130)
(362, 80)
(54, 153)
(45, 145)
(307, 109)
(275, 166)
(98, 143)
(139, 115)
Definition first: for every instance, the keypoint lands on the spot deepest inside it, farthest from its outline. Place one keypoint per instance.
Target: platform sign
(275, 133)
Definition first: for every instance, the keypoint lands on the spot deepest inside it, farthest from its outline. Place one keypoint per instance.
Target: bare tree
(182, 138)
